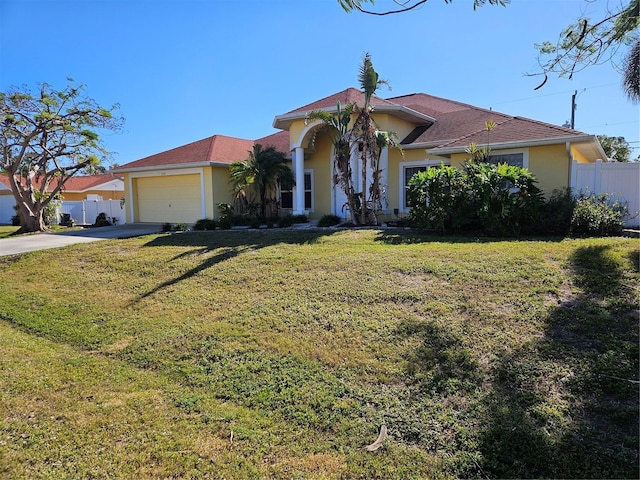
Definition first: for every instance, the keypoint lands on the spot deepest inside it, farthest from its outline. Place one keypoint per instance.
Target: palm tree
(338, 125)
(365, 134)
(370, 140)
(631, 82)
(263, 170)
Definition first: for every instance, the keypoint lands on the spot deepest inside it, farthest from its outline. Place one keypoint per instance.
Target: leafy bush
(300, 218)
(225, 223)
(556, 213)
(494, 199)
(286, 221)
(597, 215)
(181, 227)
(436, 197)
(329, 221)
(504, 197)
(205, 224)
(167, 227)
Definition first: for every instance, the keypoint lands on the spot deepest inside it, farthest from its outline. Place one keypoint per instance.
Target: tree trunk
(31, 220)
(32, 223)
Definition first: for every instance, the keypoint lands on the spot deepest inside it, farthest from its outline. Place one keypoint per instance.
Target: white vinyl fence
(85, 212)
(620, 180)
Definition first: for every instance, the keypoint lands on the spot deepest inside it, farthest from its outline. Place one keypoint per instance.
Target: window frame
(417, 164)
(512, 151)
(307, 172)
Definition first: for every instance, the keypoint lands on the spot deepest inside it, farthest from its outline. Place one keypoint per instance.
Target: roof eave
(284, 121)
(172, 166)
(522, 144)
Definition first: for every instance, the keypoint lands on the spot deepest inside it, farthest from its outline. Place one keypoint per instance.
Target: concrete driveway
(43, 241)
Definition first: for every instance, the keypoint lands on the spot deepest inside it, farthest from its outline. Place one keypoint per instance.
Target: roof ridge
(551, 125)
(212, 142)
(456, 102)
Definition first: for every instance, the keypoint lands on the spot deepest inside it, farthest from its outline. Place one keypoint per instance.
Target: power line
(564, 92)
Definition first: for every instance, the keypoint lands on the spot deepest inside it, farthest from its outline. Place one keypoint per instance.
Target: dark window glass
(408, 173)
(515, 159)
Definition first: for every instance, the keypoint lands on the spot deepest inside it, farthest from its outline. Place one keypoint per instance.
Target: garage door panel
(171, 198)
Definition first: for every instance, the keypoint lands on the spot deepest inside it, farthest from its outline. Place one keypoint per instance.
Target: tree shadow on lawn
(410, 237)
(236, 243)
(566, 405)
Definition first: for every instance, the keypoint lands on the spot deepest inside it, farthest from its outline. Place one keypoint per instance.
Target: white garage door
(171, 198)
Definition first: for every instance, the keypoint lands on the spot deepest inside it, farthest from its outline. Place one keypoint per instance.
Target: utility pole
(573, 109)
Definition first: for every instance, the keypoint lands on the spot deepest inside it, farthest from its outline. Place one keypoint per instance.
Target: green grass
(243, 354)
(7, 230)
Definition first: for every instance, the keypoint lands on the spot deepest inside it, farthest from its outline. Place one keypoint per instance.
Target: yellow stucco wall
(216, 186)
(550, 165)
(105, 194)
(217, 189)
(320, 162)
(579, 157)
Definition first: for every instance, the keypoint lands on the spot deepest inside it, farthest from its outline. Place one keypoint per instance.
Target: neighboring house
(186, 183)
(104, 186)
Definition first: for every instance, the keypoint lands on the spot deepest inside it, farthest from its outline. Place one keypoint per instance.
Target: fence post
(573, 181)
(597, 177)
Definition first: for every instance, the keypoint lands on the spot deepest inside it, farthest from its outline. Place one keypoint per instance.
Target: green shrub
(504, 197)
(494, 199)
(437, 197)
(300, 218)
(167, 227)
(180, 227)
(286, 221)
(556, 213)
(225, 223)
(597, 215)
(255, 222)
(329, 221)
(205, 224)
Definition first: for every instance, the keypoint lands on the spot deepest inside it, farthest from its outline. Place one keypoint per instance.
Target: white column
(298, 189)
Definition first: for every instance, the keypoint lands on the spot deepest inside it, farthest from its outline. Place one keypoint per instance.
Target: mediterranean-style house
(186, 183)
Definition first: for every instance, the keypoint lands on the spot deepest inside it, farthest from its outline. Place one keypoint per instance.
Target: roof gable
(350, 95)
(217, 148)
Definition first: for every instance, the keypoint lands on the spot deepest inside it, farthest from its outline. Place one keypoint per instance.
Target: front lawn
(236, 354)
(7, 230)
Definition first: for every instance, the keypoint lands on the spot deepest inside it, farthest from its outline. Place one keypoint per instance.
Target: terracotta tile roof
(458, 124)
(278, 140)
(217, 148)
(80, 183)
(350, 95)
(512, 129)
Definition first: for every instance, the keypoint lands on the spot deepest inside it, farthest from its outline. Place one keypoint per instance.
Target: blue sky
(183, 70)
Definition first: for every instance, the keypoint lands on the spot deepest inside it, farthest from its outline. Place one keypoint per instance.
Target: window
(408, 173)
(286, 193)
(515, 159)
(408, 170)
